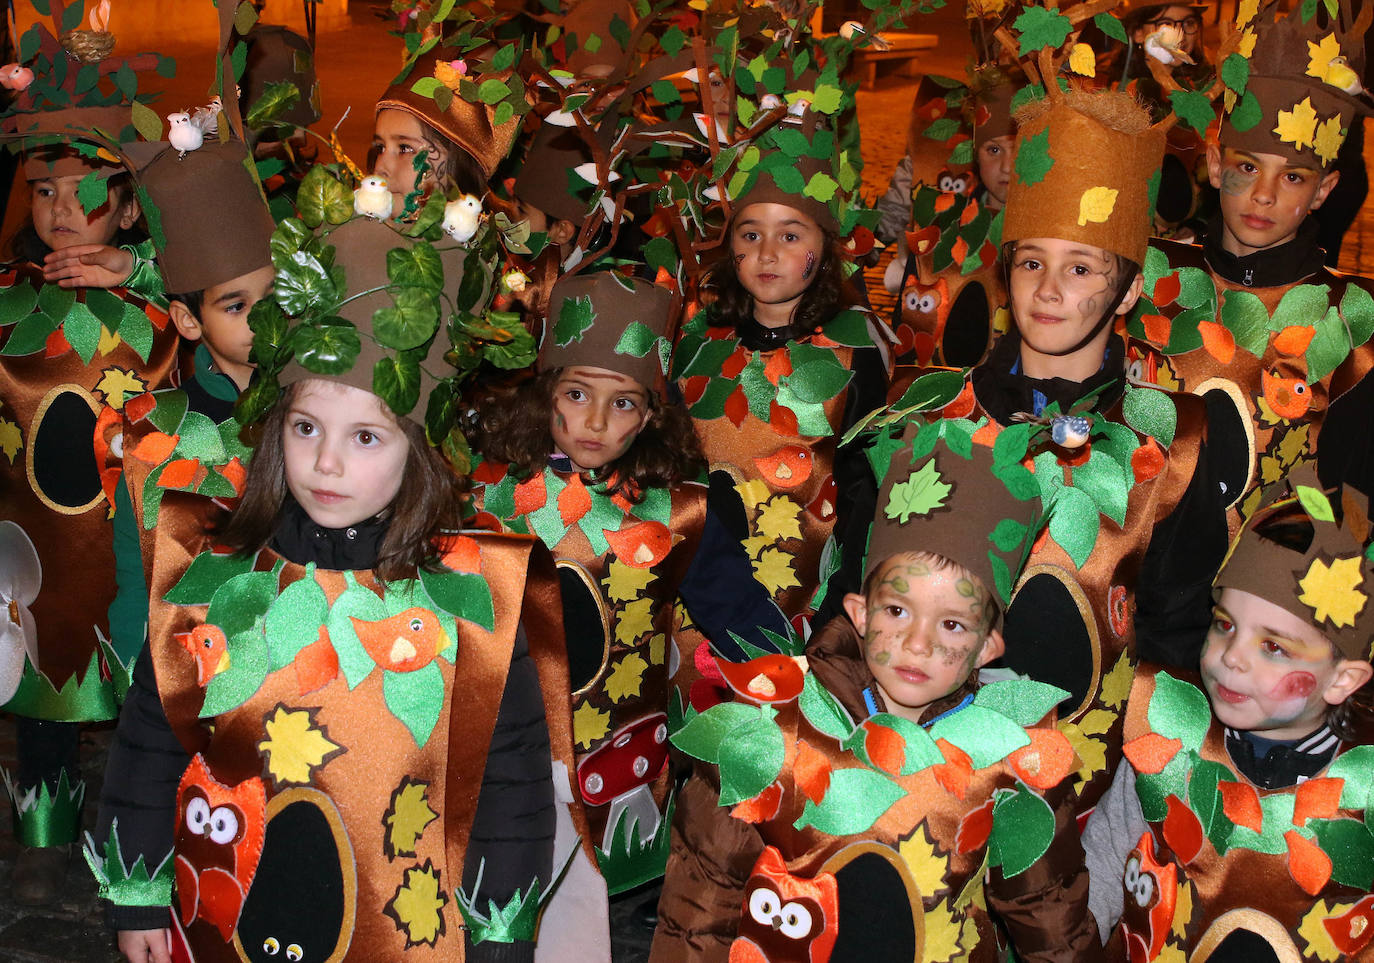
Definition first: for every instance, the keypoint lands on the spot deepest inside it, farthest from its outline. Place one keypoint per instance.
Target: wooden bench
(904, 46)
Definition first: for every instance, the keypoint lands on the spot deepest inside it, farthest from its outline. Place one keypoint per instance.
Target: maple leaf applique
(624, 583)
(1299, 125)
(921, 493)
(118, 385)
(590, 724)
(774, 570)
(417, 904)
(574, 318)
(777, 519)
(625, 679)
(1320, 55)
(1333, 592)
(11, 439)
(1330, 137)
(294, 746)
(407, 817)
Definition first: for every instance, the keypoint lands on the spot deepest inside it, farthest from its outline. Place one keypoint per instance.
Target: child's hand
(146, 946)
(88, 266)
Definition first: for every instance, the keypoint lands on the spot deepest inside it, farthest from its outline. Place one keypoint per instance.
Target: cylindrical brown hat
(607, 320)
(102, 126)
(946, 503)
(469, 126)
(277, 55)
(543, 180)
(361, 247)
(214, 220)
(989, 104)
(1315, 569)
(1087, 165)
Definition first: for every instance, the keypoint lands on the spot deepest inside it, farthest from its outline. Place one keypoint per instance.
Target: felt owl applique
(924, 311)
(219, 840)
(1151, 890)
(786, 918)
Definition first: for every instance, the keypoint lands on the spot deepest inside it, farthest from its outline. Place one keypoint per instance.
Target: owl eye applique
(764, 905)
(796, 921)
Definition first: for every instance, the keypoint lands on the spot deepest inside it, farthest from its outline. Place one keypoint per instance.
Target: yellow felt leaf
(1092, 752)
(1228, 100)
(1171, 953)
(1082, 61)
(635, 619)
(1321, 54)
(417, 903)
(407, 818)
(1183, 909)
(119, 385)
(1316, 935)
(986, 8)
(11, 439)
(1271, 469)
(1245, 11)
(943, 933)
(1294, 445)
(656, 649)
(590, 724)
(1251, 502)
(109, 341)
(1096, 205)
(774, 568)
(625, 679)
(1333, 591)
(755, 544)
(1299, 125)
(926, 866)
(1246, 46)
(1116, 685)
(1330, 137)
(974, 892)
(1095, 722)
(294, 747)
(753, 492)
(777, 519)
(625, 582)
(1267, 414)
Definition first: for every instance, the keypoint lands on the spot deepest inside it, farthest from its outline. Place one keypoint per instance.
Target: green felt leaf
(200, 438)
(1074, 523)
(355, 602)
(854, 801)
(921, 750)
(849, 327)
(1008, 535)
(168, 412)
(1039, 27)
(1022, 829)
(1235, 72)
(819, 380)
(987, 736)
(751, 756)
(1196, 289)
(1033, 159)
(109, 308)
(295, 619)
(962, 154)
(1110, 26)
(81, 328)
(205, 574)
(1194, 108)
(16, 302)
(637, 340)
(463, 594)
(1154, 788)
(1247, 112)
(29, 335)
(920, 493)
(416, 698)
(1315, 502)
(1356, 767)
(1357, 308)
(821, 187)
(788, 179)
(1204, 799)
(942, 129)
(492, 91)
(711, 404)
(247, 669)
(1277, 818)
(326, 348)
(93, 191)
(1351, 847)
(55, 302)
(1106, 481)
(1024, 701)
(1244, 315)
(1302, 305)
(1179, 710)
(410, 322)
(1151, 412)
(237, 605)
(1330, 345)
(277, 98)
(320, 198)
(575, 316)
(701, 737)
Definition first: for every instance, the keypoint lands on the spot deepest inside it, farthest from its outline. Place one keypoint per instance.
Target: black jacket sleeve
(513, 831)
(1345, 448)
(723, 596)
(145, 765)
(1174, 591)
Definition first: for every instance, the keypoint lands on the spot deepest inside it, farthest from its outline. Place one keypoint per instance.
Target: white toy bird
(182, 134)
(373, 197)
(207, 118)
(1163, 45)
(853, 30)
(462, 218)
(15, 77)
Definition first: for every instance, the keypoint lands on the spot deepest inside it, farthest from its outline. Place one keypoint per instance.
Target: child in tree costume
(893, 799)
(631, 532)
(69, 355)
(1252, 320)
(1240, 829)
(1138, 527)
(369, 705)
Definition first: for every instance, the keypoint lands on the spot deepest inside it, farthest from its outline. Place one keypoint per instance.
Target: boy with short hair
(869, 793)
(1247, 825)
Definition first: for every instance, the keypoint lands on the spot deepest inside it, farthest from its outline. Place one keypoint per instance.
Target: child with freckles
(896, 801)
(1238, 825)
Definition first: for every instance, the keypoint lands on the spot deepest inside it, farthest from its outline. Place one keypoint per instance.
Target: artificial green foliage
(125, 885)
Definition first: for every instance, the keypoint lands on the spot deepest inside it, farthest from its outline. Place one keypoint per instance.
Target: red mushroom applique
(621, 773)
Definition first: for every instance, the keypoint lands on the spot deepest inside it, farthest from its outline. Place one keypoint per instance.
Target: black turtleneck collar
(1272, 267)
(1003, 390)
(354, 548)
(757, 337)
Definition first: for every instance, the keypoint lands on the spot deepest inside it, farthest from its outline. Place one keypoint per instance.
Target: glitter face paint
(810, 264)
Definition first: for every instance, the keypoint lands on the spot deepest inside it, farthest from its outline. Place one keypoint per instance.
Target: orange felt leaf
(1218, 340)
(1046, 761)
(985, 436)
(1151, 752)
(641, 546)
(777, 365)
(737, 407)
(1147, 461)
(1317, 799)
(109, 480)
(235, 474)
(460, 554)
(56, 345)
(574, 501)
(761, 808)
(733, 365)
(885, 747)
(1309, 866)
(783, 420)
(962, 405)
(956, 771)
(530, 495)
(974, 829)
(1241, 804)
(811, 772)
(959, 251)
(155, 448)
(316, 665)
(943, 202)
(136, 409)
(1294, 339)
(488, 472)
(1167, 289)
(179, 473)
(157, 316)
(1157, 327)
(969, 212)
(1182, 831)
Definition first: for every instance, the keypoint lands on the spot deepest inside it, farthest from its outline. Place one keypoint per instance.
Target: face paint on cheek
(1234, 183)
(1295, 685)
(810, 265)
(739, 258)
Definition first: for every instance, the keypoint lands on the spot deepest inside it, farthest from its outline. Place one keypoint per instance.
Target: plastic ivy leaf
(416, 266)
(1151, 412)
(750, 757)
(1033, 159)
(919, 494)
(853, 802)
(326, 348)
(1024, 701)
(396, 380)
(574, 318)
(1040, 27)
(1179, 710)
(277, 98)
(303, 283)
(322, 197)
(701, 736)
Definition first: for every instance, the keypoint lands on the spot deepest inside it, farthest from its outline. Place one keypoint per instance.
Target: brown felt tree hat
(277, 55)
(608, 320)
(48, 135)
